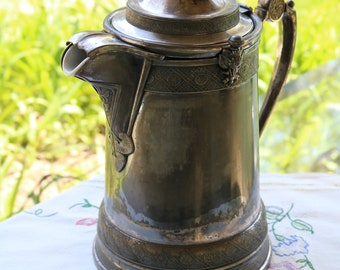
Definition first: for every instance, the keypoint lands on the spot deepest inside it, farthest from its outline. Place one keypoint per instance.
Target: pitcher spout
(117, 71)
(87, 51)
(74, 60)
(78, 53)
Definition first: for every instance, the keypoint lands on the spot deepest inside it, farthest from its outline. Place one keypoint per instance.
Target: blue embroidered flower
(290, 246)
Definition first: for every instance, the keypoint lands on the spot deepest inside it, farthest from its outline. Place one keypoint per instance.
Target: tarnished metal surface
(183, 45)
(181, 253)
(179, 17)
(182, 188)
(274, 10)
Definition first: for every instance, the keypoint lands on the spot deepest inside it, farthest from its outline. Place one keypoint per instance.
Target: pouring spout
(118, 72)
(73, 60)
(83, 47)
(93, 56)
(77, 53)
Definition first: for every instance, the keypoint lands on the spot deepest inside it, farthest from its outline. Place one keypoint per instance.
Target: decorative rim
(193, 46)
(175, 26)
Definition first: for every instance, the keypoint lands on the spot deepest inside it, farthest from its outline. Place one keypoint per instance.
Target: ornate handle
(274, 10)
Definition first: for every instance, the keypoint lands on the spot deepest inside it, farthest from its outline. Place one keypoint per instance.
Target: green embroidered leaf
(38, 212)
(273, 212)
(310, 265)
(87, 203)
(302, 225)
(279, 237)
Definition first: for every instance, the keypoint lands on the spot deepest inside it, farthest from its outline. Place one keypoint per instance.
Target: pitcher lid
(177, 27)
(183, 17)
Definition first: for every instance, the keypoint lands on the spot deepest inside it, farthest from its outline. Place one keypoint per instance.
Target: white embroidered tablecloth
(303, 213)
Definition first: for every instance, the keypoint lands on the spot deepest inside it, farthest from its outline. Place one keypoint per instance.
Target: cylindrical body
(196, 148)
(188, 196)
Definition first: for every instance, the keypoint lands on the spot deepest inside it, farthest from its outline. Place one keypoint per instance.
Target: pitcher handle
(274, 10)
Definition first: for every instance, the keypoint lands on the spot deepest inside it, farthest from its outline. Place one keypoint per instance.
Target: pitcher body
(181, 179)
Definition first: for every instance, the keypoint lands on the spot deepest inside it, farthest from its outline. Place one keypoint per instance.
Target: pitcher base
(105, 260)
(247, 250)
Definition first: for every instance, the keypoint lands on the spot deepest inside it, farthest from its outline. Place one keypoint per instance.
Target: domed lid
(178, 26)
(183, 17)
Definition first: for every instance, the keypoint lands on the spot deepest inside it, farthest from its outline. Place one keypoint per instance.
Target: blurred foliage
(48, 117)
(303, 134)
(45, 116)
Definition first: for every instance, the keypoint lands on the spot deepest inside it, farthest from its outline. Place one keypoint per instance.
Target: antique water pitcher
(178, 82)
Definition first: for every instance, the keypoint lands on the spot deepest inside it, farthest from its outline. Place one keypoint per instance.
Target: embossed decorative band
(113, 245)
(183, 26)
(171, 76)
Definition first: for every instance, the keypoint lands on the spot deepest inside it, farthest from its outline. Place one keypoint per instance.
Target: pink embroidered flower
(87, 221)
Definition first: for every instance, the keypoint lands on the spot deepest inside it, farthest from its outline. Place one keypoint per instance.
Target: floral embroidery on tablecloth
(290, 251)
(85, 204)
(292, 247)
(40, 213)
(87, 221)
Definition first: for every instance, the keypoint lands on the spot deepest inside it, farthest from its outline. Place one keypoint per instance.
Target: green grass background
(51, 126)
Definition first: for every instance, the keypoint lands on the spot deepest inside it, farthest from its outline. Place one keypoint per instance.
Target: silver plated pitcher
(178, 82)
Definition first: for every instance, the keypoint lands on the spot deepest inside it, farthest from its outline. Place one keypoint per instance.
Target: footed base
(105, 260)
(247, 250)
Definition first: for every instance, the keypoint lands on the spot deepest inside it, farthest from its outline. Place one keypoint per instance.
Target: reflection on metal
(178, 83)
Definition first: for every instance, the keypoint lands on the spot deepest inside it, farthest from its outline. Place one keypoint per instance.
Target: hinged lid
(180, 27)
(183, 17)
